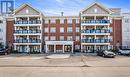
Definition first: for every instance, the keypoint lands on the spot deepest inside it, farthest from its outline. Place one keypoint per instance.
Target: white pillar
(72, 48)
(54, 48)
(63, 49)
(81, 48)
(46, 48)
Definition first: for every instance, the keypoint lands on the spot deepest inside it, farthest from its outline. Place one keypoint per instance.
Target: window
(46, 21)
(69, 29)
(52, 38)
(46, 30)
(77, 20)
(126, 20)
(77, 38)
(1, 30)
(95, 10)
(111, 29)
(53, 21)
(46, 38)
(62, 38)
(53, 30)
(1, 21)
(61, 21)
(27, 11)
(69, 38)
(77, 46)
(62, 29)
(69, 21)
(77, 29)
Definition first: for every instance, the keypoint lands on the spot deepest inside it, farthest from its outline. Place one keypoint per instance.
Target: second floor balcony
(28, 22)
(27, 31)
(96, 31)
(27, 41)
(85, 22)
(96, 40)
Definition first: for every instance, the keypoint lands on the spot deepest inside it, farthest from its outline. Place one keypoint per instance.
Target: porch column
(54, 48)
(63, 48)
(72, 48)
(46, 48)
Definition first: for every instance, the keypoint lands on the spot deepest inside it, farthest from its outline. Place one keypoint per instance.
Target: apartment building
(28, 29)
(126, 31)
(96, 28)
(61, 34)
(2, 30)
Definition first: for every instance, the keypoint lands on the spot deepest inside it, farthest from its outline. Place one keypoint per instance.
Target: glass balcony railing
(27, 41)
(27, 31)
(96, 40)
(28, 22)
(96, 31)
(96, 22)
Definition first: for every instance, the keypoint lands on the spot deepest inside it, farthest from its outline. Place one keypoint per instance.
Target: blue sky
(71, 7)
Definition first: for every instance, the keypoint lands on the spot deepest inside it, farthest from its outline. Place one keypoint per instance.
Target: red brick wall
(117, 31)
(65, 34)
(9, 32)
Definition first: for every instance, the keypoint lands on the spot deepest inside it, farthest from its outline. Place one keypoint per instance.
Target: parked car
(124, 52)
(106, 53)
(3, 51)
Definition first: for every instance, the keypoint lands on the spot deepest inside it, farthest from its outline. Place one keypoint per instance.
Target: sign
(6, 6)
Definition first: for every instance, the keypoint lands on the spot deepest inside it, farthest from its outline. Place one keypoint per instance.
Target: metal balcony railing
(28, 22)
(96, 31)
(27, 41)
(96, 40)
(96, 22)
(27, 31)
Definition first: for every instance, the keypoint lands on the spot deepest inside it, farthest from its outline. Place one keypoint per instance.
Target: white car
(109, 54)
(124, 52)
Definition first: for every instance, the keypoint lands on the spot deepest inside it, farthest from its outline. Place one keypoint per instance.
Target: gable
(27, 10)
(96, 9)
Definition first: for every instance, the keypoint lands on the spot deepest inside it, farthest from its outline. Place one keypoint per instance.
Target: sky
(71, 7)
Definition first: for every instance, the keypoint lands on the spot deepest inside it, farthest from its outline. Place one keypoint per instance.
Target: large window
(69, 29)
(52, 38)
(61, 21)
(77, 29)
(62, 38)
(77, 21)
(62, 29)
(53, 29)
(53, 21)
(45, 29)
(46, 38)
(46, 21)
(77, 38)
(69, 21)
(69, 38)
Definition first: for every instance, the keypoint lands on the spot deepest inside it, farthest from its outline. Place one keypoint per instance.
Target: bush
(115, 50)
(14, 51)
(34, 52)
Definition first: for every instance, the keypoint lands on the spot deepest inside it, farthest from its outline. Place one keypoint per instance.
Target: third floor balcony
(95, 22)
(27, 31)
(28, 22)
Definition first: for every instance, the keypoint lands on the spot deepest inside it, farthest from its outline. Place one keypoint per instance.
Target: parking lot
(77, 65)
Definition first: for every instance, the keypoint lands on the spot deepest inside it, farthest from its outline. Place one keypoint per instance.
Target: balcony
(96, 40)
(27, 31)
(96, 31)
(94, 22)
(27, 41)
(28, 22)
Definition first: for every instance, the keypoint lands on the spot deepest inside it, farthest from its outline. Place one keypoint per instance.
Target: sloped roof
(25, 5)
(96, 3)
